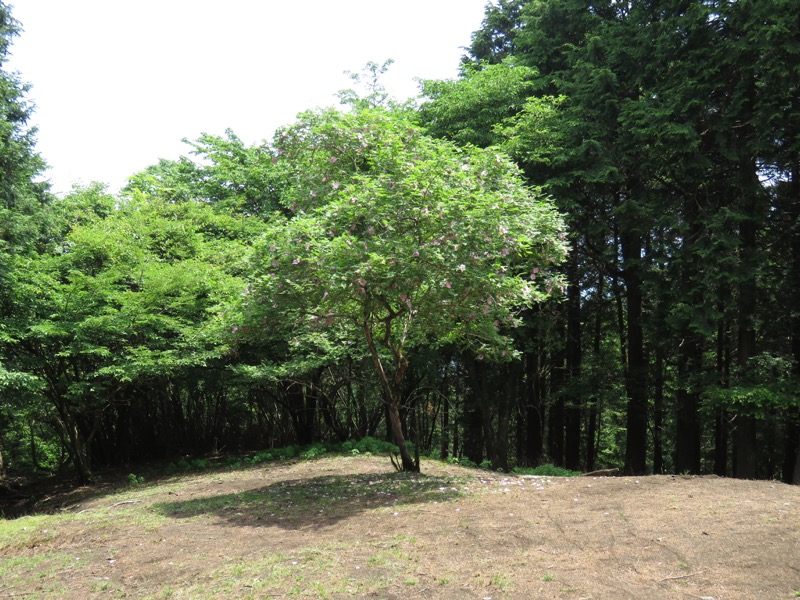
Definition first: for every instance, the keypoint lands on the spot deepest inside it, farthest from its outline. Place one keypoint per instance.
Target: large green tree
(401, 241)
(22, 197)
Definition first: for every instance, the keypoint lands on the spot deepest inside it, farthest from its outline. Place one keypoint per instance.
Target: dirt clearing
(340, 527)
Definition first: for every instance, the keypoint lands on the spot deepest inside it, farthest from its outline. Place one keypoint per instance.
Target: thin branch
(124, 502)
(683, 576)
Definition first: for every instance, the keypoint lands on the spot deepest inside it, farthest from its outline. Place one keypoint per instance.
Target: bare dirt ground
(351, 527)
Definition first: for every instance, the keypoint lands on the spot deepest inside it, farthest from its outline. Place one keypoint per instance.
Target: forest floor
(342, 527)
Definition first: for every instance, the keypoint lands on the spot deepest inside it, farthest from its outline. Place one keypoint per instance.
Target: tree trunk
(473, 430)
(555, 417)
(658, 412)
(392, 393)
(78, 449)
(636, 379)
(690, 347)
(445, 441)
(796, 474)
(572, 414)
(534, 405)
(687, 443)
(407, 462)
(594, 405)
(792, 468)
(745, 433)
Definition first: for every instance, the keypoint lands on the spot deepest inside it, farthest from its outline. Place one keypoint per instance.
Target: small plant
(200, 464)
(260, 457)
(463, 462)
(313, 451)
(134, 479)
(548, 577)
(502, 582)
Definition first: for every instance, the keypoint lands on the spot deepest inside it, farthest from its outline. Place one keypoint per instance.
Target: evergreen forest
(584, 251)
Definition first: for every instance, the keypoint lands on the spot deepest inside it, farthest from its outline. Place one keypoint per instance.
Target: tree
(401, 241)
(225, 173)
(123, 306)
(22, 228)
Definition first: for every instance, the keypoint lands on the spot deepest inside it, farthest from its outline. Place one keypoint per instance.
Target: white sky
(118, 83)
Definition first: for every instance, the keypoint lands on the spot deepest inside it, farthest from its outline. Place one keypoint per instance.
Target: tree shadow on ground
(316, 502)
(54, 494)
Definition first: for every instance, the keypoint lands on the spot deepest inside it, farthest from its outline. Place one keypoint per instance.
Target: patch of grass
(24, 532)
(35, 575)
(300, 574)
(546, 471)
(502, 582)
(323, 571)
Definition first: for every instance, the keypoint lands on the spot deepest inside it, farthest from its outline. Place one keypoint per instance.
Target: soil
(351, 527)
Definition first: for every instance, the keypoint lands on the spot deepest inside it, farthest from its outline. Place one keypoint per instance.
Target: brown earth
(351, 527)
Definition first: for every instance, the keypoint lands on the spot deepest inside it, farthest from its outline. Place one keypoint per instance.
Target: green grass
(37, 574)
(297, 574)
(502, 582)
(546, 471)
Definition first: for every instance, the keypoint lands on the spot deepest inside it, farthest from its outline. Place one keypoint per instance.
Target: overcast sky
(118, 83)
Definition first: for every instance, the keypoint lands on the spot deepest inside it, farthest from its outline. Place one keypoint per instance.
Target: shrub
(546, 471)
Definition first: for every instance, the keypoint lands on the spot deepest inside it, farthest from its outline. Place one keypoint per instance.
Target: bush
(546, 471)
(313, 451)
(462, 462)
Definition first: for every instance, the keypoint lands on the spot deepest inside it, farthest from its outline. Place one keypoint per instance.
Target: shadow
(316, 502)
(55, 494)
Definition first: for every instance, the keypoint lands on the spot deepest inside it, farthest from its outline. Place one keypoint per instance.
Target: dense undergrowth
(367, 446)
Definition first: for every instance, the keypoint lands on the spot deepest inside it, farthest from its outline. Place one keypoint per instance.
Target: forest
(583, 251)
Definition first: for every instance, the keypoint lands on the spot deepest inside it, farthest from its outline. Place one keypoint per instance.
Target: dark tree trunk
(687, 443)
(473, 442)
(297, 405)
(572, 414)
(444, 448)
(636, 379)
(723, 380)
(688, 432)
(506, 391)
(555, 417)
(796, 473)
(658, 412)
(792, 461)
(534, 407)
(745, 433)
(594, 405)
